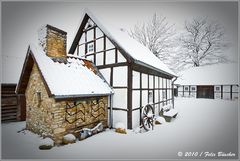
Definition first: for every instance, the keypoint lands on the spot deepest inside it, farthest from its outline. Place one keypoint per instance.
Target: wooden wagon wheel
(148, 117)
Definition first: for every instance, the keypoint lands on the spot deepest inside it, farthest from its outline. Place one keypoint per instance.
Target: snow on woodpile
(219, 74)
(120, 125)
(139, 52)
(71, 78)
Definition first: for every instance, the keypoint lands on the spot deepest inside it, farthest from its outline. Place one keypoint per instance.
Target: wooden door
(205, 92)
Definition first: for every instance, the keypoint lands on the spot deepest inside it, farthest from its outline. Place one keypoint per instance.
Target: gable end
(26, 72)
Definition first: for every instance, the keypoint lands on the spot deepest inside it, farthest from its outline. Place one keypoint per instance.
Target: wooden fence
(13, 106)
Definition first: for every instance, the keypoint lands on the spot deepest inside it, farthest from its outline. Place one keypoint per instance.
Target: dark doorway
(205, 92)
(175, 92)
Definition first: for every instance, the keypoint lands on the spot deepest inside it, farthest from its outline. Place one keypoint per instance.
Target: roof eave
(154, 68)
(81, 96)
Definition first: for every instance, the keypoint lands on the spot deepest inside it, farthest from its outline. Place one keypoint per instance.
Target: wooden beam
(78, 51)
(100, 51)
(116, 56)
(159, 96)
(104, 50)
(111, 77)
(153, 89)
(120, 87)
(129, 98)
(112, 65)
(231, 92)
(25, 74)
(90, 28)
(140, 103)
(21, 107)
(94, 42)
(221, 91)
(118, 109)
(148, 87)
(159, 102)
(166, 91)
(87, 42)
(162, 93)
(189, 91)
(183, 90)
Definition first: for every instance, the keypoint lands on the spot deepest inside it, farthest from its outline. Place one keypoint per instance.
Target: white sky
(21, 20)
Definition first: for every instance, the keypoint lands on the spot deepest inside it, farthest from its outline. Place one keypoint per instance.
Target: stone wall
(48, 117)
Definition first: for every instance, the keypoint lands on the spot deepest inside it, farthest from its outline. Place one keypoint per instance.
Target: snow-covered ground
(203, 125)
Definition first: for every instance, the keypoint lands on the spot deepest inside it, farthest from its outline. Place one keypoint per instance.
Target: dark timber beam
(183, 90)
(94, 37)
(189, 91)
(104, 48)
(231, 92)
(129, 98)
(140, 103)
(221, 91)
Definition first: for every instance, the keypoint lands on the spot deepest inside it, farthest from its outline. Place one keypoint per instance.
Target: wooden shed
(13, 106)
(137, 76)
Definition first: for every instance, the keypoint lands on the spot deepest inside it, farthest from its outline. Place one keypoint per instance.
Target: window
(39, 98)
(186, 88)
(90, 48)
(150, 97)
(163, 94)
(217, 88)
(193, 88)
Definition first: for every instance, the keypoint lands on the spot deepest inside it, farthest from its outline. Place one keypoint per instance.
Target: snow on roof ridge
(146, 55)
(217, 74)
(69, 79)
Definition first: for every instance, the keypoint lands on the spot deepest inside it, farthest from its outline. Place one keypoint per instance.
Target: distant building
(218, 81)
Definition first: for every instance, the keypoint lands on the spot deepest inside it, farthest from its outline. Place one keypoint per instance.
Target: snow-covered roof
(141, 54)
(219, 74)
(71, 78)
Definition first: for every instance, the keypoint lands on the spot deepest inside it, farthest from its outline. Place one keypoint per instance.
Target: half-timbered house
(218, 81)
(136, 75)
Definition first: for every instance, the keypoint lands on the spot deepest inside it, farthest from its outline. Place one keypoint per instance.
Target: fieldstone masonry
(50, 118)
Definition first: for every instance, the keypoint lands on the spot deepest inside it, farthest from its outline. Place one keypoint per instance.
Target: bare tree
(202, 43)
(155, 34)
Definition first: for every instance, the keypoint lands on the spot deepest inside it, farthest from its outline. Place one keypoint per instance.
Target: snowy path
(201, 126)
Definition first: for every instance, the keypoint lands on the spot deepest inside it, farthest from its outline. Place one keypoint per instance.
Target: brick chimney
(53, 41)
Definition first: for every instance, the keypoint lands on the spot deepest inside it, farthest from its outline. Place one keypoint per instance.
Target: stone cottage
(63, 94)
